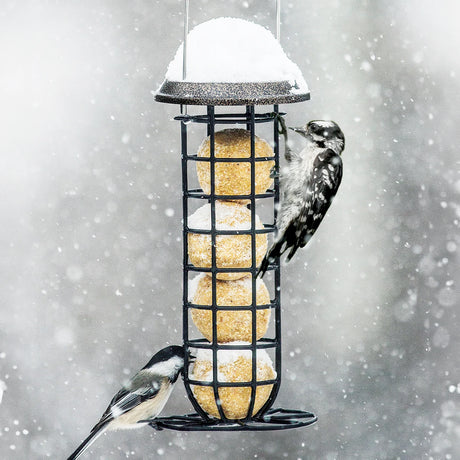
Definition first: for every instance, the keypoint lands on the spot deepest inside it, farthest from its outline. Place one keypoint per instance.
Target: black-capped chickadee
(142, 397)
(308, 185)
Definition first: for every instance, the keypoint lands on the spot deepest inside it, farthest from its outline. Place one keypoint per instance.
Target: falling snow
(3, 388)
(91, 237)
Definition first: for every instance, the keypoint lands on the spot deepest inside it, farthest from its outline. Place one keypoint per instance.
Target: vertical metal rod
(250, 110)
(278, 268)
(248, 117)
(278, 20)
(183, 131)
(185, 317)
(277, 300)
(185, 280)
(215, 345)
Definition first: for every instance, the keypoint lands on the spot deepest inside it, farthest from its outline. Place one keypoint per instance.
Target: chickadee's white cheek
(167, 367)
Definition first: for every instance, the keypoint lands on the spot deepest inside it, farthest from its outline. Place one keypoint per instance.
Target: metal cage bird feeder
(246, 95)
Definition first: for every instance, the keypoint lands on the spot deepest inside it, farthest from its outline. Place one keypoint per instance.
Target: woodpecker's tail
(263, 266)
(274, 252)
(292, 252)
(95, 433)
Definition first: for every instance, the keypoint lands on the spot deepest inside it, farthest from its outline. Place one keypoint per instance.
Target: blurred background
(90, 229)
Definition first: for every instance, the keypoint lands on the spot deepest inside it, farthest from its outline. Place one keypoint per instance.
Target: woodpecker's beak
(301, 131)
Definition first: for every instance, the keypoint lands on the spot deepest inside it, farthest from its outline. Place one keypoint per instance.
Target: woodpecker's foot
(282, 128)
(274, 173)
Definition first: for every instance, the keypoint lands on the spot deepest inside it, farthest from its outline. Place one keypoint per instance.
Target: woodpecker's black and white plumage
(142, 397)
(308, 185)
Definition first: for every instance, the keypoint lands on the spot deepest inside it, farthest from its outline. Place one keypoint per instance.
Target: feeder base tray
(274, 419)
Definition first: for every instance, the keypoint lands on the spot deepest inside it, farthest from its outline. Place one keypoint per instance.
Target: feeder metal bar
(274, 419)
(250, 110)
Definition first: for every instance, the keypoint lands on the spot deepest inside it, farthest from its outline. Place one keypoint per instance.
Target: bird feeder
(213, 384)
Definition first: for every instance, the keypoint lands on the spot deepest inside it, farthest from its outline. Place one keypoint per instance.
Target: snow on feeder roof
(232, 61)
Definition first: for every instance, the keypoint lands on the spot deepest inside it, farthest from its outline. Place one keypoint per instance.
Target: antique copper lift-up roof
(248, 94)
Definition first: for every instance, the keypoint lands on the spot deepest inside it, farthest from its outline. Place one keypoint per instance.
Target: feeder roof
(232, 61)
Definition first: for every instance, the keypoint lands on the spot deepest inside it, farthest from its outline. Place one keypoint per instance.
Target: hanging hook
(278, 20)
(184, 49)
(183, 108)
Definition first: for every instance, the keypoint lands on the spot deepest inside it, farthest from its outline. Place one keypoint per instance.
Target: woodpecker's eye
(319, 130)
(314, 128)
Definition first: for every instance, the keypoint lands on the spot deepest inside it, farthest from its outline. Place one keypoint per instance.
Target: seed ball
(234, 178)
(232, 251)
(231, 324)
(233, 366)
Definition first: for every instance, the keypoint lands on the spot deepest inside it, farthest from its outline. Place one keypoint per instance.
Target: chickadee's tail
(95, 433)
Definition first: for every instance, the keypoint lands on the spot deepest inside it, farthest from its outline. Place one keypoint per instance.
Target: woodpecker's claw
(282, 125)
(274, 173)
(282, 129)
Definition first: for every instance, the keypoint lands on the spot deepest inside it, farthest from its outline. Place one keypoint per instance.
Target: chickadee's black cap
(168, 352)
(165, 354)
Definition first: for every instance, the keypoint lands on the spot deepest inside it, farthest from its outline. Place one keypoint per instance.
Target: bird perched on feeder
(309, 182)
(142, 398)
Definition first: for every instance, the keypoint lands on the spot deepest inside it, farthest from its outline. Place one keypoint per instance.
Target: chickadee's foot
(154, 425)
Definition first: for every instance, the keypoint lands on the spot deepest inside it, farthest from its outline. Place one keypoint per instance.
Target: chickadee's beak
(191, 358)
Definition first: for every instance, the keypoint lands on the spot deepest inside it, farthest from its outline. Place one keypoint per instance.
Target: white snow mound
(231, 50)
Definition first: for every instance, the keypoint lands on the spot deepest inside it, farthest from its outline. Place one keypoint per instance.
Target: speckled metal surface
(259, 93)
